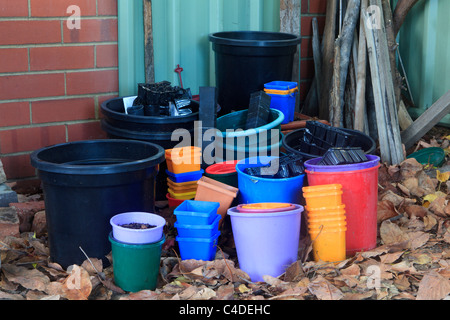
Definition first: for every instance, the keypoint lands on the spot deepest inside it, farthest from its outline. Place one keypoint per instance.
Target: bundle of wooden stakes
(357, 84)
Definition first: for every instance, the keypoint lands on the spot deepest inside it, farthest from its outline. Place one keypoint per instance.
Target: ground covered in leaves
(411, 260)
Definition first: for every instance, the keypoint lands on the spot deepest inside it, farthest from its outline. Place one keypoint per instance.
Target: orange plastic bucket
(324, 212)
(323, 195)
(265, 206)
(329, 245)
(337, 218)
(183, 159)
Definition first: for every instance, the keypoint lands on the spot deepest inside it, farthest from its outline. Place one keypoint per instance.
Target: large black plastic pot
(292, 145)
(155, 129)
(246, 60)
(85, 184)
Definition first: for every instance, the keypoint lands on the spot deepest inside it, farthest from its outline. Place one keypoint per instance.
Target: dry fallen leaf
(77, 285)
(385, 210)
(433, 286)
(391, 233)
(28, 278)
(324, 290)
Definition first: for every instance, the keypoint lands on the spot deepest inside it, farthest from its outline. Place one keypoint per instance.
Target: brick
(306, 48)
(31, 86)
(60, 58)
(107, 7)
(318, 6)
(92, 30)
(107, 56)
(9, 223)
(63, 110)
(306, 26)
(304, 8)
(101, 81)
(16, 8)
(18, 166)
(29, 32)
(306, 69)
(58, 8)
(7, 195)
(85, 131)
(30, 139)
(26, 211)
(13, 60)
(304, 89)
(14, 114)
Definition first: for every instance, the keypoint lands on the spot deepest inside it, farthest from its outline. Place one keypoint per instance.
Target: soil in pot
(137, 225)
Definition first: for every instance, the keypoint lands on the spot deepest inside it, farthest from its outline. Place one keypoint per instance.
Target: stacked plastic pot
(183, 172)
(136, 251)
(283, 97)
(327, 224)
(198, 229)
(266, 236)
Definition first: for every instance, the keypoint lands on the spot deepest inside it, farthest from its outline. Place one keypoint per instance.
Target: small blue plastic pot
(194, 212)
(256, 189)
(198, 230)
(185, 177)
(198, 248)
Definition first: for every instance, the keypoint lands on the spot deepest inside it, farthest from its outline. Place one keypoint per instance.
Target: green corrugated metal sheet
(131, 46)
(181, 28)
(425, 50)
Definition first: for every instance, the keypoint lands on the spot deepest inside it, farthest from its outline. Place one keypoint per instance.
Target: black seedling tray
(333, 136)
(339, 156)
(258, 110)
(288, 166)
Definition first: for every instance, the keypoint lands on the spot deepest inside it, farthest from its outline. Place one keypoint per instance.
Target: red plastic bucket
(360, 196)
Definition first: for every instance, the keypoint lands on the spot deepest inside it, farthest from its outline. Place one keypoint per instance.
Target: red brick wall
(52, 78)
(310, 9)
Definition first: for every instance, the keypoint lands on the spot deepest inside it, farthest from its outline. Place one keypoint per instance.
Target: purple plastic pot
(137, 236)
(241, 209)
(266, 243)
(312, 165)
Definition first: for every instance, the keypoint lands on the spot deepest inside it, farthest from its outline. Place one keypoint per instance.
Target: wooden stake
(360, 103)
(329, 37)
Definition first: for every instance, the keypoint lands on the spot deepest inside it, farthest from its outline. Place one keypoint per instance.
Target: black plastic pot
(291, 142)
(85, 184)
(154, 129)
(246, 60)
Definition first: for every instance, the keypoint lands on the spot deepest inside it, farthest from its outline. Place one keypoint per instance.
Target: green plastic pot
(136, 266)
(432, 155)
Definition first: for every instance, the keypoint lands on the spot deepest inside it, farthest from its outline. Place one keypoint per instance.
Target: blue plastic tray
(198, 230)
(194, 212)
(198, 248)
(185, 177)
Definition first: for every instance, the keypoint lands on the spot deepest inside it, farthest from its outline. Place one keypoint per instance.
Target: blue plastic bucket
(255, 189)
(198, 248)
(284, 103)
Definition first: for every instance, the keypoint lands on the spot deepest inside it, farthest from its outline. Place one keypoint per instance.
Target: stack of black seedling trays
(339, 156)
(318, 138)
(289, 166)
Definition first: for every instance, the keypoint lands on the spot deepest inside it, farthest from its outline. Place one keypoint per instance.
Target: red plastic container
(173, 202)
(360, 196)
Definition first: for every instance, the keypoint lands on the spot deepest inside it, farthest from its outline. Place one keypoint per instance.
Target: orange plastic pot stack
(327, 224)
(180, 162)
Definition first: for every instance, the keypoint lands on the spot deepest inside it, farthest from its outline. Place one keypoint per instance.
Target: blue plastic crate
(185, 177)
(284, 103)
(194, 212)
(198, 230)
(198, 248)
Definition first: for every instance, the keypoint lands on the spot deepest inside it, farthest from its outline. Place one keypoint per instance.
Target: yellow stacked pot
(327, 224)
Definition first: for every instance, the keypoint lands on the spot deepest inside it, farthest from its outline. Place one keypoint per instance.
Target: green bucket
(136, 266)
